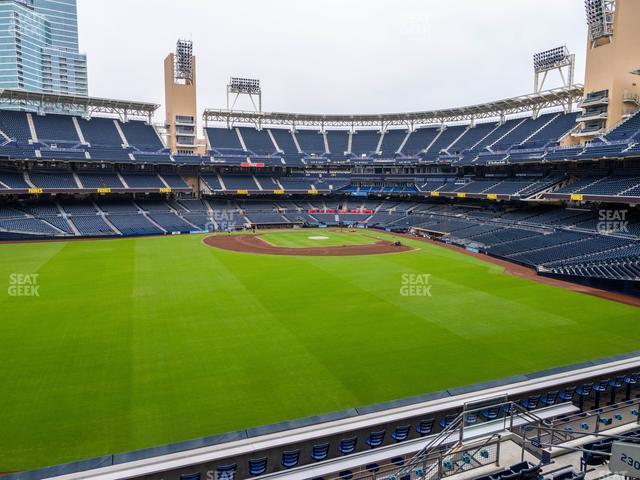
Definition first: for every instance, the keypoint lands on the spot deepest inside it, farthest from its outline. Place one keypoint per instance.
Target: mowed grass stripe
(142, 342)
(73, 356)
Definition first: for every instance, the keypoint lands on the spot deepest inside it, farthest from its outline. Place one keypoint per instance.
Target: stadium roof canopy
(60, 102)
(499, 109)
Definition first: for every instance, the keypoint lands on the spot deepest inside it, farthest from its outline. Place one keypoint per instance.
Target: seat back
(593, 457)
(518, 467)
(491, 413)
(190, 476)
(373, 467)
(425, 427)
(226, 472)
(376, 438)
(257, 466)
(586, 389)
(530, 473)
(320, 452)
(617, 382)
(510, 476)
(401, 433)
(448, 419)
(290, 458)
(346, 475)
(348, 445)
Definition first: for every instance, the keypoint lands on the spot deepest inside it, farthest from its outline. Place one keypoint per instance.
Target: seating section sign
(625, 459)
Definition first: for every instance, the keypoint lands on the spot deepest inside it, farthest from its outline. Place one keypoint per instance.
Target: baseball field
(115, 345)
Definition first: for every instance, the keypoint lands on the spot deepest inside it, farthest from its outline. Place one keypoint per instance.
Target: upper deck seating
(100, 131)
(419, 140)
(224, 138)
(53, 128)
(15, 126)
(311, 142)
(257, 141)
(338, 141)
(141, 135)
(364, 142)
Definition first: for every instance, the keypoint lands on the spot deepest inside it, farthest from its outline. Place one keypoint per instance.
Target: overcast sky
(331, 56)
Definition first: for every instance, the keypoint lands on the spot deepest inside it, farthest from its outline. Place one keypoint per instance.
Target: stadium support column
(611, 90)
(181, 101)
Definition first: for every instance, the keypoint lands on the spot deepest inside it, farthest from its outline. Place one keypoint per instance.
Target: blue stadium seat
(258, 466)
(345, 475)
(400, 434)
(595, 454)
(376, 439)
(290, 458)
(226, 472)
(583, 392)
(348, 445)
(470, 418)
(630, 380)
(190, 476)
(549, 399)
(491, 413)
(568, 394)
(425, 427)
(600, 387)
(373, 467)
(615, 384)
(530, 403)
(320, 452)
(448, 420)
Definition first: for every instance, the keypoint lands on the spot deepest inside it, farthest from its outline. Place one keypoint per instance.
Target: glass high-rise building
(39, 48)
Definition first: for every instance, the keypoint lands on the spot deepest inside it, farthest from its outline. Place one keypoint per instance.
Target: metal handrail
(435, 441)
(459, 422)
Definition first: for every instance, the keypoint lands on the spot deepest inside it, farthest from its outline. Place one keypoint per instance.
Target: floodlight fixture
(184, 61)
(552, 59)
(247, 86)
(560, 59)
(600, 18)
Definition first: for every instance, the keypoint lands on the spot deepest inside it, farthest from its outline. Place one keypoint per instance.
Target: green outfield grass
(146, 341)
(316, 238)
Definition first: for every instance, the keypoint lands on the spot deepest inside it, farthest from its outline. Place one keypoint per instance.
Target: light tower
(249, 87)
(611, 89)
(557, 59)
(181, 101)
